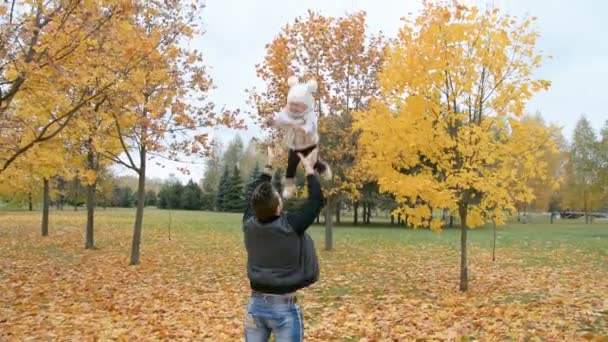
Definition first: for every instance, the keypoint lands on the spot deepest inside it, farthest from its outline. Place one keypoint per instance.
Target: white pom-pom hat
(301, 92)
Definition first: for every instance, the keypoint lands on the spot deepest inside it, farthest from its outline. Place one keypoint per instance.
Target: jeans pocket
(289, 326)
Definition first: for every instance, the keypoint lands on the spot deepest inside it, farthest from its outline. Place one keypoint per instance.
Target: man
(281, 257)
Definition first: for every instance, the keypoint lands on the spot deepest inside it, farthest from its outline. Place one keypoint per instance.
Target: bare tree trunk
(494, 244)
(329, 240)
(29, 200)
(318, 218)
(451, 221)
(91, 188)
(139, 214)
(368, 218)
(45, 208)
(464, 274)
(356, 213)
(392, 219)
(90, 237)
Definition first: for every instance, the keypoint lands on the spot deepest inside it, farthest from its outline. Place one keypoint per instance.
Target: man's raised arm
(303, 217)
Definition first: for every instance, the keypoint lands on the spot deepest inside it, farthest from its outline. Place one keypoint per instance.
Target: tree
(234, 200)
(545, 190)
(54, 63)
(37, 167)
(76, 193)
(94, 143)
(584, 190)
(104, 187)
(250, 159)
(191, 196)
(344, 59)
(222, 190)
(170, 195)
(150, 198)
(603, 167)
(234, 153)
(460, 79)
(122, 197)
(211, 179)
(159, 115)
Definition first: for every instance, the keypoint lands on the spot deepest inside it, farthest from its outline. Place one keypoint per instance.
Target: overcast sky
(572, 32)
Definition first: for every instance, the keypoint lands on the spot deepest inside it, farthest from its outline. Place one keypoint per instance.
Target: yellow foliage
(446, 131)
(89, 177)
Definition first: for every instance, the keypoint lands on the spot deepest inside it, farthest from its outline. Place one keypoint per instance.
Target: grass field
(550, 282)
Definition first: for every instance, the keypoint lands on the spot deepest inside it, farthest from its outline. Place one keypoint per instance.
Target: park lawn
(549, 282)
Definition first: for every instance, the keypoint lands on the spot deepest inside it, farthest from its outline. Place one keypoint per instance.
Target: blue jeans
(283, 320)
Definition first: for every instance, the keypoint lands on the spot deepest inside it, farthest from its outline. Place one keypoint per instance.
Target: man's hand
(309, 161)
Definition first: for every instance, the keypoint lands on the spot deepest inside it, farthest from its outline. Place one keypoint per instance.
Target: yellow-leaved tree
(61, 62)
(546, 190)
(54, 61)
(34, 171)
(446, 131)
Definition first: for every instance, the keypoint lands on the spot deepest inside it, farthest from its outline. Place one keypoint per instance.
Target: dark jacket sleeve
(301, 218)
(249, 210)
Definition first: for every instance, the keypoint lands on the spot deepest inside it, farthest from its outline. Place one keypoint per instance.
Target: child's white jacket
(300, 132)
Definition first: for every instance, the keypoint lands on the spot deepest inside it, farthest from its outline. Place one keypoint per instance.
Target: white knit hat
(301, 92)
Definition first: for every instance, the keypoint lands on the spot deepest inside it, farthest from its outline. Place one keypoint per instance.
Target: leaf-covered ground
(549, 283)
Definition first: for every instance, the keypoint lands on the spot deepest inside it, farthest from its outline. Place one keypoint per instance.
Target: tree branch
(122, 141)
(115, 158)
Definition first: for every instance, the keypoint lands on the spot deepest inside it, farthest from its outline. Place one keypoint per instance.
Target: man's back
(281, 257)
(277, 247)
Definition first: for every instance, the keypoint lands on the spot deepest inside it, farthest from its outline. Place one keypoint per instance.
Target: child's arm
(282, 120)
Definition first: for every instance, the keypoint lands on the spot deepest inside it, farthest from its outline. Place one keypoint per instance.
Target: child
(300, 122)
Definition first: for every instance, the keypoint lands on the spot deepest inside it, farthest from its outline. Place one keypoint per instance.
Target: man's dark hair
(264, 201)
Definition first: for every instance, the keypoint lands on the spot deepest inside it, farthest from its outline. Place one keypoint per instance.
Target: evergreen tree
(162, 200)
(170, 195)
(151, 197)
(122, 197)
(222, 190)
(191, 196)
(76, 193)
(234, 200)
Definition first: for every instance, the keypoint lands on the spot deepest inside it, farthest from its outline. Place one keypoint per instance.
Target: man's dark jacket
(281, 256)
